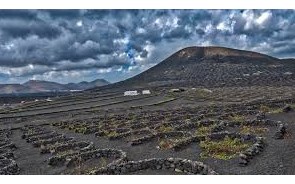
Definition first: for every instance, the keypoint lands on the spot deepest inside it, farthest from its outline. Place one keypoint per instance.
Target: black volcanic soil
(29, 159)
(276, 158)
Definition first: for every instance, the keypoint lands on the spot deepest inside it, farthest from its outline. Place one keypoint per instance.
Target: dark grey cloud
(18, 28)
(68, 14)
(74, 43)
(18, 14)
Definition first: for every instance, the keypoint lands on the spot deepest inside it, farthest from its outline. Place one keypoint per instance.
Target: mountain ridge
(37, 86)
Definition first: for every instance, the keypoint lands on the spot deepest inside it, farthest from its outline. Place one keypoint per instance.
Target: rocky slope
(214, 67)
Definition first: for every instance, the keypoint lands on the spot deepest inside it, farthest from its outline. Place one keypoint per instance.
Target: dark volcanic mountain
(87, 85)
(37, 86)
(214, 67)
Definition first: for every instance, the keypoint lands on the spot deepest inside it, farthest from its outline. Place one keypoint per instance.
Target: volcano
(214, 67)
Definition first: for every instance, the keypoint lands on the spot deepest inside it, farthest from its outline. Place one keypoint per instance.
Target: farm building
(130, 93)
(177, 90)
(49, 100)
(146, 92)
(288, 73)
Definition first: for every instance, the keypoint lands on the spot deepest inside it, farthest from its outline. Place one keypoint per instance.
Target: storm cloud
(74, 45)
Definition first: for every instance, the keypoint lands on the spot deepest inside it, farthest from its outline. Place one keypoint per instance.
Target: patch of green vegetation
(204, 130)
(267, 109)
(264, 108)
(166, 144)
(164, 128)
(81, 130)
(276, 111)
(71, 127)
(104, 162)
(237, 118)
(225, 149)
(66, 152)
(111, 134)
(253, 130)
(132, 117)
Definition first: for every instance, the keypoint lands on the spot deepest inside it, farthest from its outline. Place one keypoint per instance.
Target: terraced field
(197, 131)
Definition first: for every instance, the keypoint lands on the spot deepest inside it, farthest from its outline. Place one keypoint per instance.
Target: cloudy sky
(76, 45)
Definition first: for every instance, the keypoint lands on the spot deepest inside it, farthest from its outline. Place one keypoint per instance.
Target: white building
(176, 90)
(288, 73)
(257, 73)
(49, 100)
(130, 93)
(146, 92)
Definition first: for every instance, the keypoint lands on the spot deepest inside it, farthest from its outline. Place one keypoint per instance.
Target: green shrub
(112, 134)
(253, 130)
(166, 144)
(225, 149)
(204, 130)
(237, 118)
(164, 128)
(264, 108)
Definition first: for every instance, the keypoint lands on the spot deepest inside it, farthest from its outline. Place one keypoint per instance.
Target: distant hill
(14, 88)
(213, 67)
(37, 86)
(87, 85)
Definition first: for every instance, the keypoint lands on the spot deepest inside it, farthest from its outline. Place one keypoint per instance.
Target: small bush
(275, 111)
(164, 128)
(264, 108)
(225, 149)
(112, 134)
(237, 118)
(253, 130)
(204, 130)
(80, 130)
(166, 144)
